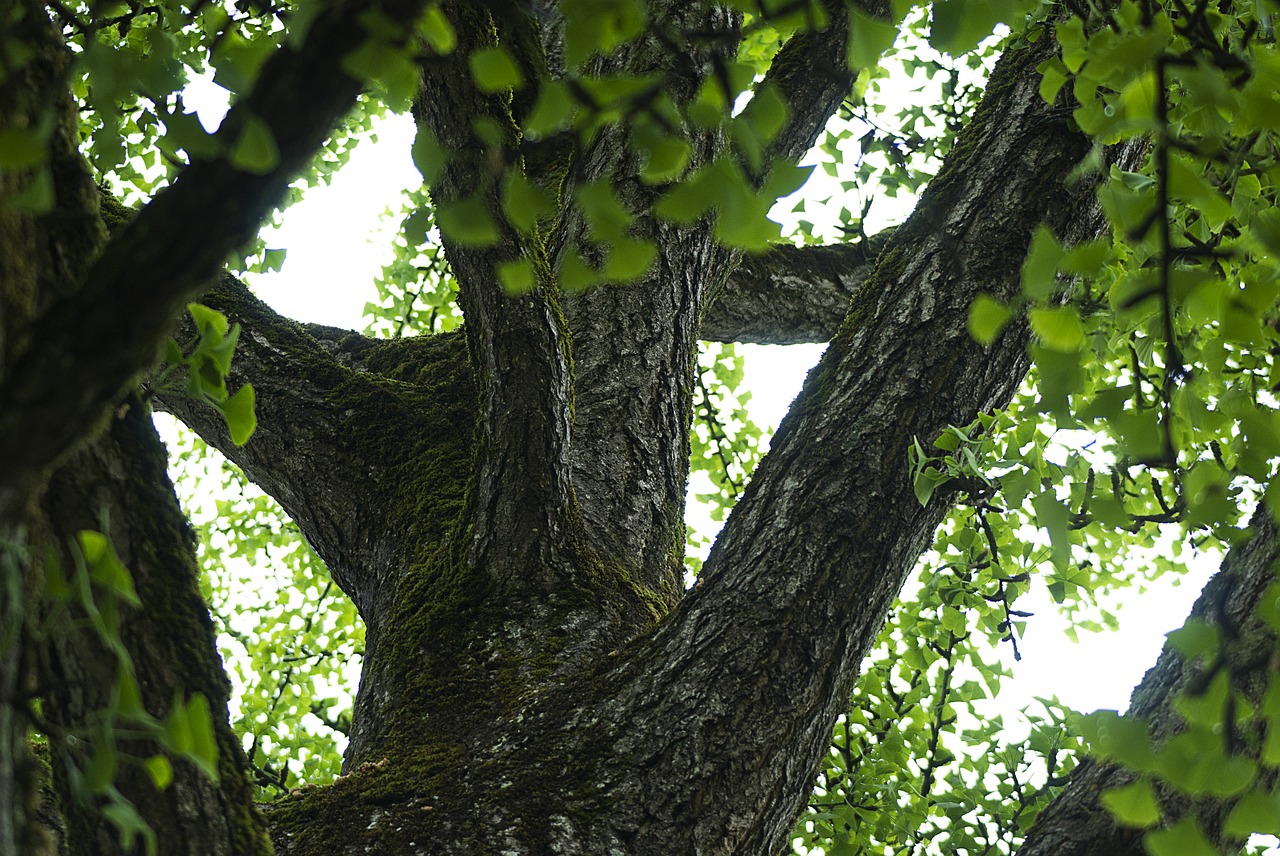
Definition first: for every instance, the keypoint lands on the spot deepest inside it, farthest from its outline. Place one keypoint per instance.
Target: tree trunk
(504, 505)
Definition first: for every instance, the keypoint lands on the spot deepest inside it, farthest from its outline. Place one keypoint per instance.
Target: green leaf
(238, 60)
(1040, 269)
(869, 38)
(1133, 804)
(238, 412)
(22, 147)
(1184, 838)
(468, 223)
(553, 111)
(128, 696)
(493, 70)
(1123, 739)
(204, 744)
(254, 150)
(665, 157)
(607, 219)
(437, 30)
(958, 25)
(177, 730)
(184, 131)
(1140, 434)
(100, 772)
(208, 320)
(629, 260)
(987, 317)
(1055, 518)
(105, 567)
(384, 64)
(1187, 182)
(1053, 74)
(517, 276)
(1255, 813)
(599, 26)
(428, 155)
(1195, 638)
(523, 203)
(926, 482)
(273, 260)
(160, 771)
(38, 197)
(129, 824)
(1059, 328)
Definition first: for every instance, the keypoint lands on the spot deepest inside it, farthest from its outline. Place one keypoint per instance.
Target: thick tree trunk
(503, 506)
(119, 486)
(702, 736)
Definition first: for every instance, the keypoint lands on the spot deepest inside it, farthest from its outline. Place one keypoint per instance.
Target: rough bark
(737, 659)
(633, 345)
(43, 254)
(790, 295)
(365, 444)
(119, 485)
(1075, 823)
(703, 736)
(509, 523)
(87, 348)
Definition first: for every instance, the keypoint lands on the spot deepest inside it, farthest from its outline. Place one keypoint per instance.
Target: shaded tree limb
(89, 347)
(358, 411)
(790, 295)
(811, 72)
(751, 684)
(49, 230)
(518, 342)
(634, 345)
(118, 485)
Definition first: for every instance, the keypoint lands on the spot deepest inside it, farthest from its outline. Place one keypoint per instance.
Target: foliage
(1151, 421)
(292, 642)
(91, 595)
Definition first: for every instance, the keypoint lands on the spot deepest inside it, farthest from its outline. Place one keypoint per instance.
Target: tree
(503, 503)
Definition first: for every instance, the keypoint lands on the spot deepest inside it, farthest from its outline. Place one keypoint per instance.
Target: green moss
(114, 215)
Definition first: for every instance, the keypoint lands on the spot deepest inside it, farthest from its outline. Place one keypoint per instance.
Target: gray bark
(509, 522)
(790, 295)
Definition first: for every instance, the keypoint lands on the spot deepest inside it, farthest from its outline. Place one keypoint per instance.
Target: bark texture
(119, 485)
(790, 295)
(504, 505)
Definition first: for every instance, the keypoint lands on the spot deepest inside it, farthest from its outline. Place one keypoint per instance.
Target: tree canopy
(1060, 370)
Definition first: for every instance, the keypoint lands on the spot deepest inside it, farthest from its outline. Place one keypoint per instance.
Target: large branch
(790, 295)
(522, 493)
(81, 356)
(752, 671)
(342, 420)
(1075, 823)
(634, 344)
(812, 72)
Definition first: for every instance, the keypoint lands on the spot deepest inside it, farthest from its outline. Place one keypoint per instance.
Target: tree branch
(1075, 823)
(759, 659)
(812, 72)
(522, 493)
(340, 419)
(790, 294)
(78, 358)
